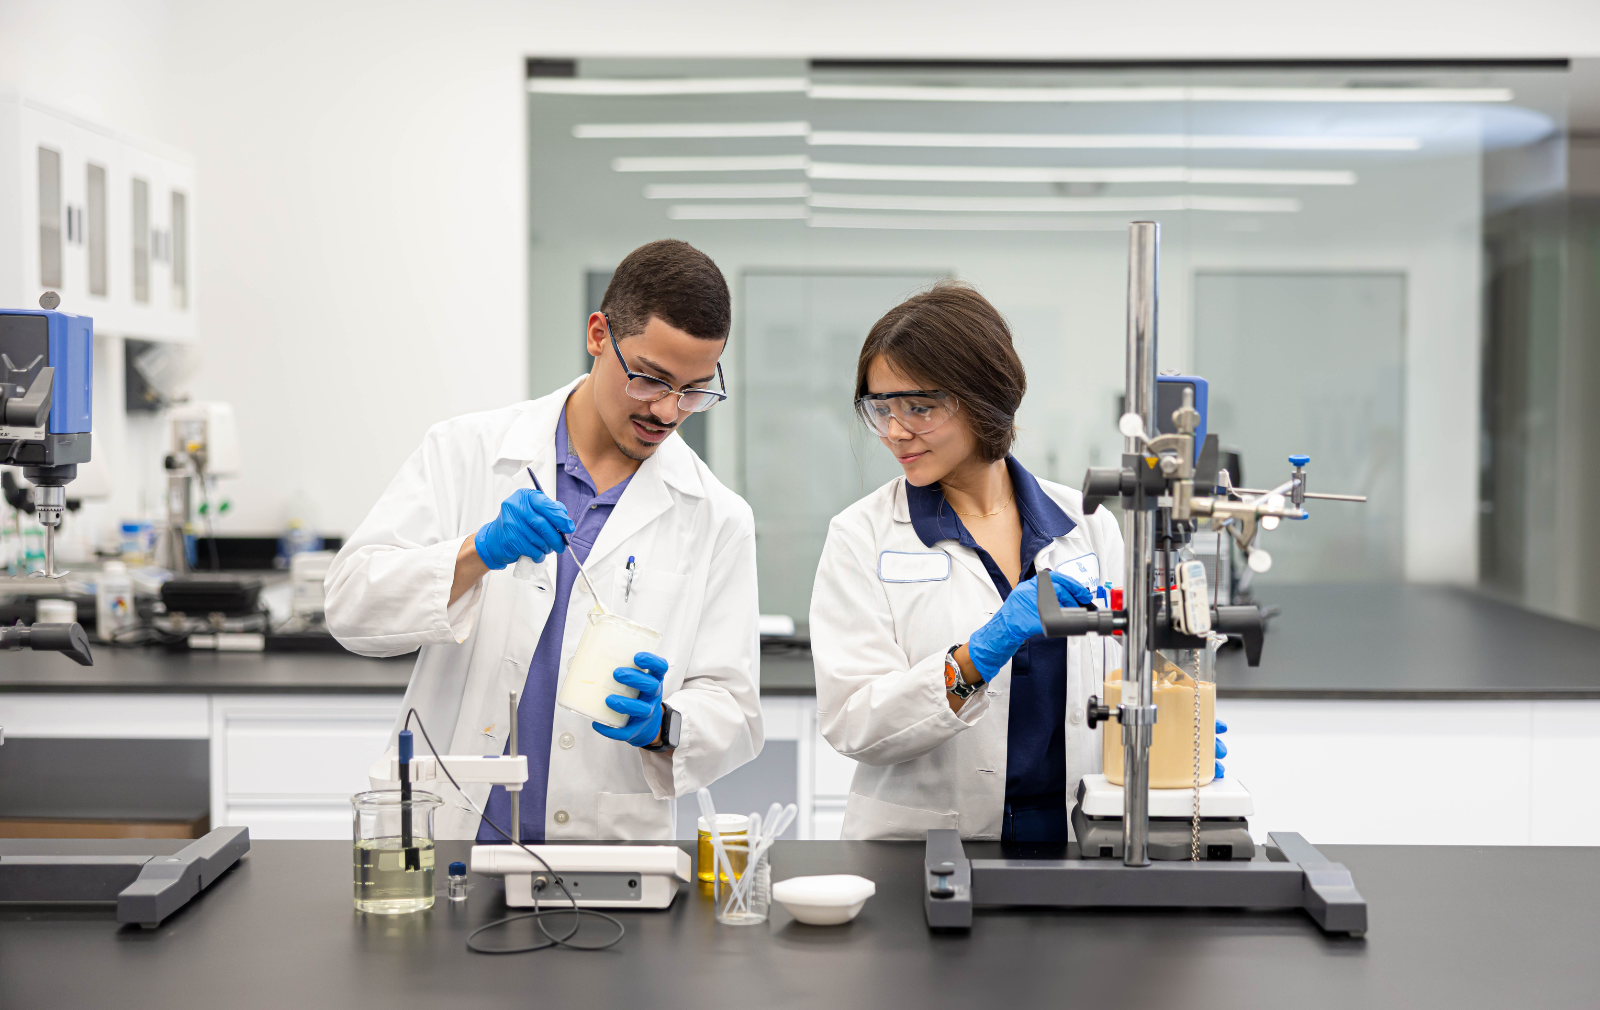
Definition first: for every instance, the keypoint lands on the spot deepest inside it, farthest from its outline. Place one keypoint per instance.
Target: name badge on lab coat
(905, 566)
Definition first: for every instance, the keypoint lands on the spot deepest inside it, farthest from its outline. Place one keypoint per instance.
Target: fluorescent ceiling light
(1002, 173)
(759, 163)
(729, 191)
(918, 93)
(910, 223)
(737, 212)
(664, 86)
(1052, 204)
(628, 131)
(1110, 141)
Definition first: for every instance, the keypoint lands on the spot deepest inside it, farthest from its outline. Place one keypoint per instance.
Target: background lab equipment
(46, 404)
(1157, 483)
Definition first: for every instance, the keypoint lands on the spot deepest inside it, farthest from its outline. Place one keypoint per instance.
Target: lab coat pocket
(867, 817)
(655, 599)
(632, 816)
(1084, 569)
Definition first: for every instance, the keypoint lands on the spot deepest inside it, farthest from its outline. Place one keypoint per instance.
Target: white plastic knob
(1260, 561)
(1132, 426)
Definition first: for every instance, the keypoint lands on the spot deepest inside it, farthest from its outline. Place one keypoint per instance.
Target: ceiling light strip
(623, 87)
(759, 163)
(728, 191)
(1003, 173)
(893, 222)
(1109, 141)
(919, 93)
(1052, 205)
(737, 212)
(634, 131)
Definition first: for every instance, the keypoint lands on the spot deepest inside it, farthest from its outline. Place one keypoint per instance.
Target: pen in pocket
(628, 589)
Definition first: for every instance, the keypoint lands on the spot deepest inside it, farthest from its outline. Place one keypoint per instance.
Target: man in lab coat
(438, 566)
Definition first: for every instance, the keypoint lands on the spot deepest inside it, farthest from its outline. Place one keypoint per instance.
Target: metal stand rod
(516, 794)
(1137, 711)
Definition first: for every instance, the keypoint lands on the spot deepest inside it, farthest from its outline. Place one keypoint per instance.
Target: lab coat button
(562, 817)
(1077, 716)
(567, 740)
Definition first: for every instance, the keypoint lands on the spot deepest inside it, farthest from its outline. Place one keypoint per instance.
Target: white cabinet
(286, 766)
(103, 219)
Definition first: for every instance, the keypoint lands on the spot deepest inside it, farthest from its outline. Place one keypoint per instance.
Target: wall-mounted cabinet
(104, 219)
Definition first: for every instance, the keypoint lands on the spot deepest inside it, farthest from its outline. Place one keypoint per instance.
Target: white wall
(361, 165)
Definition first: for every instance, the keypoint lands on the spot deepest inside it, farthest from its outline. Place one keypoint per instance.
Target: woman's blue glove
(1222, 748)
(643, 712)
(993, 645)
(529, 526)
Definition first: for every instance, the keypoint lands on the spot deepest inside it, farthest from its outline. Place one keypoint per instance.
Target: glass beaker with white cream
(608, 641)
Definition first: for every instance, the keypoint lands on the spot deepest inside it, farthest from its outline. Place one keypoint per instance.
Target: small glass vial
(458, 882)
(733, 828)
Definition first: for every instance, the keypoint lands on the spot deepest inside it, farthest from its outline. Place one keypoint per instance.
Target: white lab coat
(884, 611)
(695, 581)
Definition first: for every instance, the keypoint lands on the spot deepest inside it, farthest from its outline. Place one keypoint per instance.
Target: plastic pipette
(597, 601)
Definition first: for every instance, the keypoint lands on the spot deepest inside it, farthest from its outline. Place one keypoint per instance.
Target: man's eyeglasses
(650, 389)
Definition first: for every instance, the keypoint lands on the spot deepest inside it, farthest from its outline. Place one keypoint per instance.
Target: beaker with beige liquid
(609, 641)
(1176, 743)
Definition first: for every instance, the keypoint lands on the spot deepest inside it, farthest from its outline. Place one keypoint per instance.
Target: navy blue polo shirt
(1036, 751)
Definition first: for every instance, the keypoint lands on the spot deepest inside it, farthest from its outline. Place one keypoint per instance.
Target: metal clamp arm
(1059, 623)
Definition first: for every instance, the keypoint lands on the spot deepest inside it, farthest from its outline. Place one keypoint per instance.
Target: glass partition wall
(1323, 265)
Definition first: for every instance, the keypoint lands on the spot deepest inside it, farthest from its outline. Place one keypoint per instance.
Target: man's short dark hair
(676, 283)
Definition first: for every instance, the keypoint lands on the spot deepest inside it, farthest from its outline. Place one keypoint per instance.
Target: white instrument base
(597, 876)
(1221, 798)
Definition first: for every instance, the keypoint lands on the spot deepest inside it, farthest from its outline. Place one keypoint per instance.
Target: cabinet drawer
(307, 747)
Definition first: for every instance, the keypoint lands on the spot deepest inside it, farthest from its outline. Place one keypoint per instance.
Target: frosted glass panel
(806, 457)
(49, 218)
(97, 229)
(1313, 363)
(141, 240)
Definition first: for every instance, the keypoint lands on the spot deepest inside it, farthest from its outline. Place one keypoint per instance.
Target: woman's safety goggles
(918, 411)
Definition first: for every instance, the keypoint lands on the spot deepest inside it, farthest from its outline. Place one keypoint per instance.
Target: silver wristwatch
(954, 682)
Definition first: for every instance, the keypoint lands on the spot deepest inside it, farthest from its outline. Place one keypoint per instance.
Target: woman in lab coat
(931, 670)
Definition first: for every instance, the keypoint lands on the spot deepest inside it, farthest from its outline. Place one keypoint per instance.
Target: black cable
(537, 915)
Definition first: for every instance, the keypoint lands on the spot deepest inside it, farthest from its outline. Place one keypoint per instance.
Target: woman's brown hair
(951, 338)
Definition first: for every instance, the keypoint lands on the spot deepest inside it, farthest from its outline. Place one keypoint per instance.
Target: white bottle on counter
(113, 601)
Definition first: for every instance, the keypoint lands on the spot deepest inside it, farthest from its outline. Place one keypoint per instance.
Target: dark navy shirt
(1036, 752)
(536, 710)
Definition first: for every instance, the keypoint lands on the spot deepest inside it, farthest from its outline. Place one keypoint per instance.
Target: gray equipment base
(1221, 838)
(146, 889)
(1294, 875)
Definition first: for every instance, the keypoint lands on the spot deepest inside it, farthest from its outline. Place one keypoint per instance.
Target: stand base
(1295, 875)
(1221, 838)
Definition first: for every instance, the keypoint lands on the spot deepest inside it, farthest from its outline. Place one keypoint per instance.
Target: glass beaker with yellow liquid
(1176, 744)
(392, 861)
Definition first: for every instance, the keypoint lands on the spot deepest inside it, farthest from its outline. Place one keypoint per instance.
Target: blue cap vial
(458, 869)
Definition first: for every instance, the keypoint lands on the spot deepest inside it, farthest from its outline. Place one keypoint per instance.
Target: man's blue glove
(1222, 748)
(529, 526)
(643, 712)
(993, 645)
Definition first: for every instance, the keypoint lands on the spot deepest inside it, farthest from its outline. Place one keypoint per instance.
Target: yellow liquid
(707, 857)
(383, 884)
(1172, 743)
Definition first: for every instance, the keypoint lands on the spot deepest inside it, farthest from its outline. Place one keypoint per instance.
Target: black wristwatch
(671, 729)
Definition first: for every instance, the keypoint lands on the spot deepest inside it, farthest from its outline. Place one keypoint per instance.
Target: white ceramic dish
(826, 900)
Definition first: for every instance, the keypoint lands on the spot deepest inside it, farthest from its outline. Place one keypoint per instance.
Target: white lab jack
(884, 612)
(695, 581)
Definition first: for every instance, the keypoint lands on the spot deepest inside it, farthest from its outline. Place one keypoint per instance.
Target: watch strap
(671, 729)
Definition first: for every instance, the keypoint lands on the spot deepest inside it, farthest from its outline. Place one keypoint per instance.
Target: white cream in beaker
(608, 641)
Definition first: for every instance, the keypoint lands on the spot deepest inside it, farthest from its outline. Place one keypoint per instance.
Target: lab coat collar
(530, 441)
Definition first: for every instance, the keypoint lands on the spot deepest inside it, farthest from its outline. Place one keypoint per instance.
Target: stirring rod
(563, 536)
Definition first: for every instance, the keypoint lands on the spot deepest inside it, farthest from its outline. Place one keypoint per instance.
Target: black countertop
(1411, 642)
(1458, 927)
(1350, 642)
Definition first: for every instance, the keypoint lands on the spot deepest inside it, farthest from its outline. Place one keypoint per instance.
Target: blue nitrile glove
(643, 712)
(993, 645)
(1222, 748)
(529, 526)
